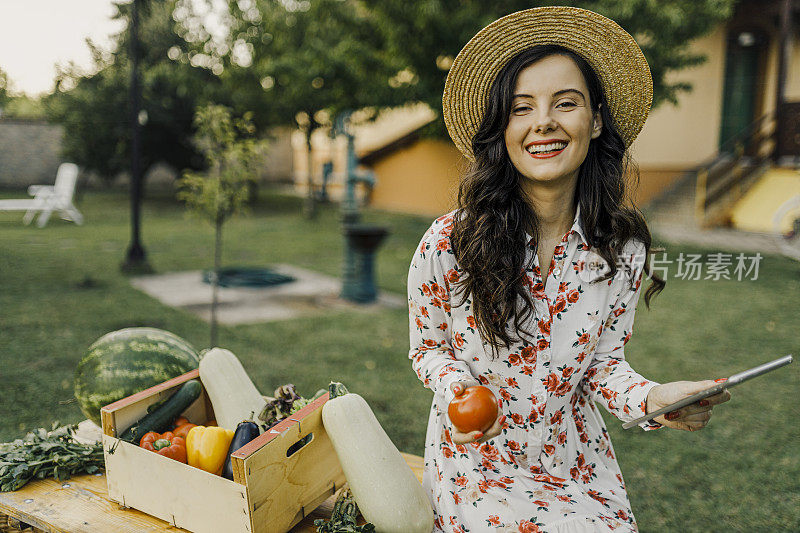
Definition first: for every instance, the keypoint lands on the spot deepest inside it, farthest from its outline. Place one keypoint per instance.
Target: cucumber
(160, 419)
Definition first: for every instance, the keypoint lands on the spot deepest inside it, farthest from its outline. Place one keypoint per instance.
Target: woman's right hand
(474, 436)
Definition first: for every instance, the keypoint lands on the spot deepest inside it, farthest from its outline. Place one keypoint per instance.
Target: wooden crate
(279, 478)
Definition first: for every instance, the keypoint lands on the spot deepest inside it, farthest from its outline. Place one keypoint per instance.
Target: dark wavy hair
(488, 235)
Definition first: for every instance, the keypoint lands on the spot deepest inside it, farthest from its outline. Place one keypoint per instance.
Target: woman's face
(550, 103)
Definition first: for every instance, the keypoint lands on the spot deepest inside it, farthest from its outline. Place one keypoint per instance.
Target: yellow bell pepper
(207, 448)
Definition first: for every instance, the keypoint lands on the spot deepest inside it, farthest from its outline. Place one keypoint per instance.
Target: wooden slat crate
(279, 478)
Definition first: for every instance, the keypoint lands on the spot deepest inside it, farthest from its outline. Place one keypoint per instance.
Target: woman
(545, 103)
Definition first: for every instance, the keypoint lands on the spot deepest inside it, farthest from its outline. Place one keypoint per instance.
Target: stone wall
(29, 152)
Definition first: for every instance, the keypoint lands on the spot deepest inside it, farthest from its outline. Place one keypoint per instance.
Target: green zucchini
(161, 419)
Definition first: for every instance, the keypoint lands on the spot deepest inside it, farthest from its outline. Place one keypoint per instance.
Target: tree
(303, 62)
(232, 156)
(440, 28)
(94, 107)
(4, 86)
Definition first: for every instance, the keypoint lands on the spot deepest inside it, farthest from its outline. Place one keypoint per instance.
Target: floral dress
(553, 467)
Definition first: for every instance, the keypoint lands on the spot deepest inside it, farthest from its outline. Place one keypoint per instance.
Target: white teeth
(535, 149)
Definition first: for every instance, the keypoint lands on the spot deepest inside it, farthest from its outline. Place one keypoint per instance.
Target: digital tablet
(716, 389)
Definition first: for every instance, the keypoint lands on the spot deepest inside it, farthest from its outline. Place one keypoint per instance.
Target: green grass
(738, 474)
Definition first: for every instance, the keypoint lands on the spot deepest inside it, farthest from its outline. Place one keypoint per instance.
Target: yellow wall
(684, 136)
(420, 179)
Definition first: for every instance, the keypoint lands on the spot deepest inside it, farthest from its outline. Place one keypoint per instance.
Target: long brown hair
(488, 236)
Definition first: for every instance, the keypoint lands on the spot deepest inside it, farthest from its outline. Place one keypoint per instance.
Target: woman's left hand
(691, 417)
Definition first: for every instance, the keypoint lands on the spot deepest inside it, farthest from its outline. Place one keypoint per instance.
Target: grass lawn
(741, 473)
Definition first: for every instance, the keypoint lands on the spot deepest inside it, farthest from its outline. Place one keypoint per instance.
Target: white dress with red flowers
(553, 467)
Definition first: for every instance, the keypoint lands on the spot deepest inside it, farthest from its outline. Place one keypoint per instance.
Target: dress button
(557, 272)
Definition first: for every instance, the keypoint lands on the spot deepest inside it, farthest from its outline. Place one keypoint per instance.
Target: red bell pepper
(165, 444)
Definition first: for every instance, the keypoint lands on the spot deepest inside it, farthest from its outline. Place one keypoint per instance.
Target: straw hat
(610, 51)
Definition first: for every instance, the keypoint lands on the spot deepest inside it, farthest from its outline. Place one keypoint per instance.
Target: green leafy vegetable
(43, 454)
(344, 518)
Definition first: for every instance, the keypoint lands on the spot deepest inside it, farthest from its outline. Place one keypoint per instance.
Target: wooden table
(81, 505)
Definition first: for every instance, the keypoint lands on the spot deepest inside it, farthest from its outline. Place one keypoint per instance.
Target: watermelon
(127, 361)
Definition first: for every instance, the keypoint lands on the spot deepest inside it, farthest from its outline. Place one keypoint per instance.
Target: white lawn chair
(47, 198)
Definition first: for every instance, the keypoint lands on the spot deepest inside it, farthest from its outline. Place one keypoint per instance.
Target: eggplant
(245, 432)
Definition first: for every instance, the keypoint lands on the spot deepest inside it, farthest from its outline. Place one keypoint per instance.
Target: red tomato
(475, 409)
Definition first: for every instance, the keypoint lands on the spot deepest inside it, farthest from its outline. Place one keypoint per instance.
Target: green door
(741, 71)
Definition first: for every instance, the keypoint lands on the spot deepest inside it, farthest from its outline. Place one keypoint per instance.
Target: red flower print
(549, 449)
(506, 396)
(622, 515)
(512, 382)
(542, 344)
(456, 497)
(460, 448)
(482, 485)
(436, 302)
(584, 438)
(489, 451)
(528, 355)
(563, 389)
(567, 372)
(513, 446)
(572, 296)
(452, 275)
(562, 437)
(585, 478)
(563, 286)
(541, 503)
(426, 290)
(419, 323)
(442, 326)
(487, 464)
(619, 311)
(559, 306)
(527, 370)
(458, 340)
(544, 326)
(507, 480)
(596, 495)
(447, 452)
(528, 527)
(446, 307)
(583, 339)
(442, 245)
(517, 418)
(471, 321)
(533, 417)
(429, 342)
(424, 311)
(461, 481)
(514, 359)
(555, 419)
(494, 483)
(563, 498)
(551, 382)
(440, 291)
(493, 520)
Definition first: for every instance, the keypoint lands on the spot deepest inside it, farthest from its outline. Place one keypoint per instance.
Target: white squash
(233, 395)
(383, 485)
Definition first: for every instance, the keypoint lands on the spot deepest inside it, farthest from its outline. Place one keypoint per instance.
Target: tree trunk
(310, 206)
(215, 285)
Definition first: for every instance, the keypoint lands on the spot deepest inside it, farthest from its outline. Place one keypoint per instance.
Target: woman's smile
(546, 149)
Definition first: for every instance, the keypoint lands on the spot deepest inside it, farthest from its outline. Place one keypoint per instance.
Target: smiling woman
(545, 103)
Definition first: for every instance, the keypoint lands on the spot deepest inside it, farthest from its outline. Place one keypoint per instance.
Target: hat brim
(613, 54)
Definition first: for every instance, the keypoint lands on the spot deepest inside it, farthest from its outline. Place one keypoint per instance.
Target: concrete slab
(311, 293)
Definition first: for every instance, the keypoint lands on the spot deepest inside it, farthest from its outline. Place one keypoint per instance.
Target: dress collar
(576, 228)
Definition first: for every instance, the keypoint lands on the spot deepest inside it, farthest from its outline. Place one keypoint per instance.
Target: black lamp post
(136, 259)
